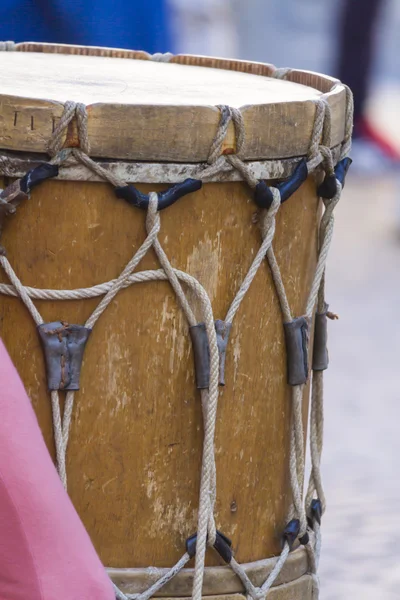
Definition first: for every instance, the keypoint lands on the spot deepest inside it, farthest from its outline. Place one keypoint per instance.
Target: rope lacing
(319, 154)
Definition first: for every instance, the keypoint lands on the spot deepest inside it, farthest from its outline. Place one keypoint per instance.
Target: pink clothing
(45, 552)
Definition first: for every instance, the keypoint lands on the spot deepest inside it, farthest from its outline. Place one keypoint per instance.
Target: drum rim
(217, 580)
(269, 147)
(16, 164)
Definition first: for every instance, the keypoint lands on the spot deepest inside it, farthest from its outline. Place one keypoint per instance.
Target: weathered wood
(301, 588)
(145, 110)
(18, 164)
(135, 448)
(217, 580)
(136, 439)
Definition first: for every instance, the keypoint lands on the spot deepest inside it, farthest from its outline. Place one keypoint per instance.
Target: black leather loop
(132, 195)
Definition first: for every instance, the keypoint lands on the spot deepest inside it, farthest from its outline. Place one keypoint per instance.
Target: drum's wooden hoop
(302, 588)
(293, 579)
(17, 164)
(270, 127)
(218, 581)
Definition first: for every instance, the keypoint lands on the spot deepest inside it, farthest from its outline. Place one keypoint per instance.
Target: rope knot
(72, 110)
(327, 160)
(256, 594)
(321, 138)
(219, 161)
(228, 114)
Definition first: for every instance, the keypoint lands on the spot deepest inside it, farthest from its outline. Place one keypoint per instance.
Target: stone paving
(361, 529)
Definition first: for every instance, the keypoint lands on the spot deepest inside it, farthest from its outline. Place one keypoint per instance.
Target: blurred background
(358, 41)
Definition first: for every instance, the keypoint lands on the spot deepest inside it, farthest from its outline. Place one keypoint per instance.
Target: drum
(163, 260)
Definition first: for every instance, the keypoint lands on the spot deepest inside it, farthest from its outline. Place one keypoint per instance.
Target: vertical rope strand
(58, 437)
(319, 152)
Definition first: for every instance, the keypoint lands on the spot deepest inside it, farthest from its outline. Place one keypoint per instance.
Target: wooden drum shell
(135, 446)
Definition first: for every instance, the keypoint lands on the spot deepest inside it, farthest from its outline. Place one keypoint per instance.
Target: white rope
(208, 459)
(268, 236)
(58, 437)
(61, 428)
(119, 283)
(152, 590)
(118, 594)
(316, 441)
(259, 593)
(252, 590)
(211, 528)
(153, 217)
(296, 462)
(321, 132)
(317, 530)
(20, 290)
(67, 416)
(268, 583)
(322, 256)
(316, 410)
(319, 153)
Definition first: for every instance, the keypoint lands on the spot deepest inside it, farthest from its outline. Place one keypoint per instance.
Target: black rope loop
(263, 196)
(133, 196)
(328, 188)
(315, 512)
(222, 544)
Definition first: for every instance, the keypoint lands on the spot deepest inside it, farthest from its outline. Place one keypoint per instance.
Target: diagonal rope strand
(319, 153)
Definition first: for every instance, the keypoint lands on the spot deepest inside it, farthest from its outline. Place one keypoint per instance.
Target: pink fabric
(45, 552)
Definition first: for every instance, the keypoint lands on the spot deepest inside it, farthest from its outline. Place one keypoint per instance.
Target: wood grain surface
(217, 580)
(135, 447)
(17, 164)
(299, 589)
(145, 110)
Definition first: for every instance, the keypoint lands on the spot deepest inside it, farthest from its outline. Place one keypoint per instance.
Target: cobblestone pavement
(361, 553)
